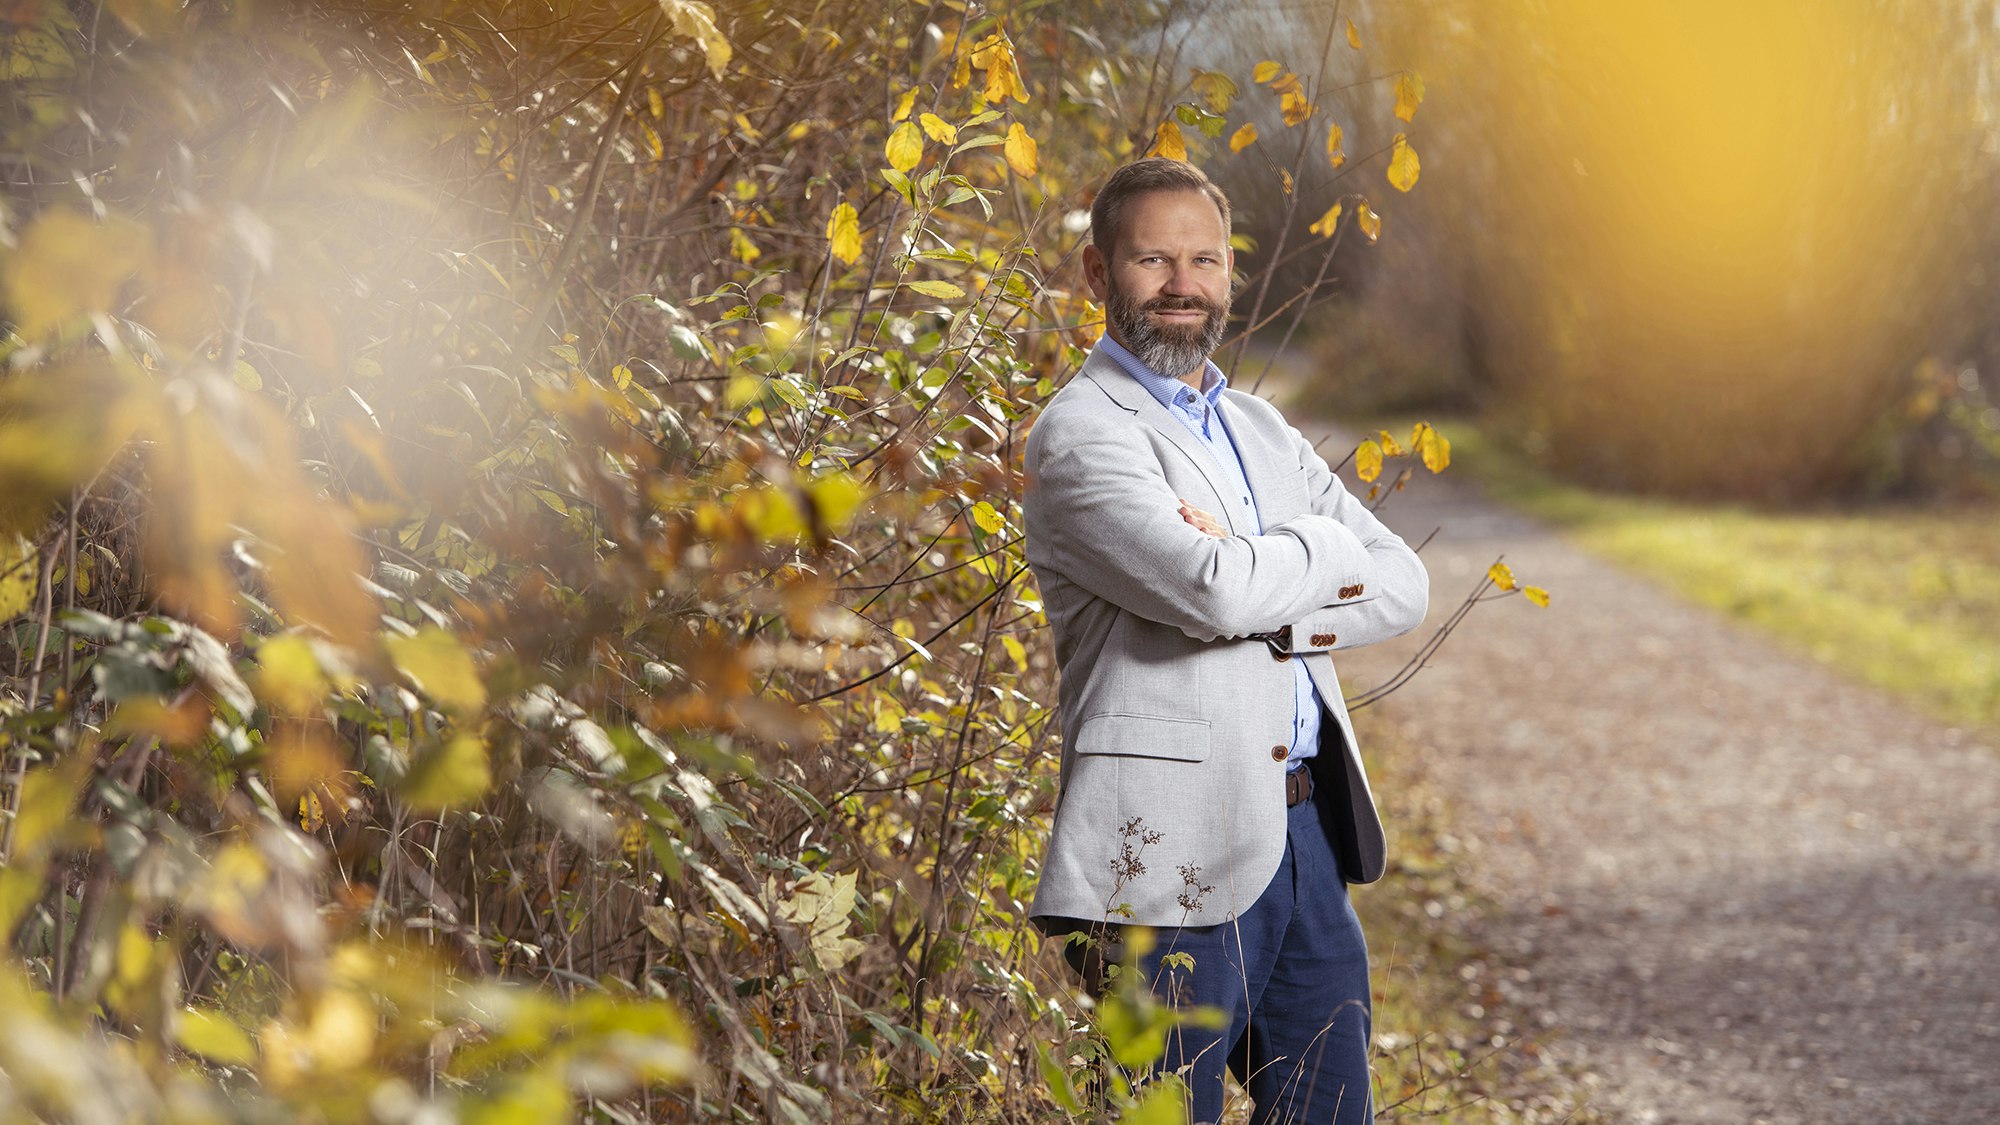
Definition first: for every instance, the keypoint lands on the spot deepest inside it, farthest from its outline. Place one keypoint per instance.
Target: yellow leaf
(1431, 446)
(654, 103)
(1328, 223)
(696, 20)
(989, 520)
(1409, 94)
(905, 147)
(904, 104)
(20, 575)
(1022, 153)
(621, 376)
(1334, 137)
(942, 290)
(312, 814)
(1368, 460)
(1265, 71)
(1216, 89)
(938, 129)
(1501, 575)
(1353, 35)
(342, 1031)
(1537, 595)
(289, 677)
(1403, 164)
(214, 1036)
(1370, 222)
(441, 668)
(1243, 138)
(67, 266)
(1017, 651)
(453, 775)
(843, 230)
(1294, 108)
(1389, 446)
(1167, 142)
(1285, 180)
(835, 498)
(740, 245)
(1003, 76)
(655, 147)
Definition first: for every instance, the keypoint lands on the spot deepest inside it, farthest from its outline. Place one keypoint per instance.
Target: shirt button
(1280, 753)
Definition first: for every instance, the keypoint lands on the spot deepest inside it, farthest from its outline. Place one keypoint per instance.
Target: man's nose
(1180, 281)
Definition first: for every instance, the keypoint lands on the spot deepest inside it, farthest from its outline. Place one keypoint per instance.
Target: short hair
(1141, 177)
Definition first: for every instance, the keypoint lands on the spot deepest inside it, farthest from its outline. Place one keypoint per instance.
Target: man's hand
(1202, 521)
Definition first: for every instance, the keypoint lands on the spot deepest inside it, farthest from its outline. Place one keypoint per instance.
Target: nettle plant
(510, 547)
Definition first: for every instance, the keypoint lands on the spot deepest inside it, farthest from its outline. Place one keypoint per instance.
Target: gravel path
(1747, 888)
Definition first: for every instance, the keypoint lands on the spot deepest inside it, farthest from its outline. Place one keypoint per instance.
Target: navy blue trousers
(1292, 972)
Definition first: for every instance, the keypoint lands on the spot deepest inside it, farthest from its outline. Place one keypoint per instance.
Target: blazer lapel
(1126, 392)
(1263, 464)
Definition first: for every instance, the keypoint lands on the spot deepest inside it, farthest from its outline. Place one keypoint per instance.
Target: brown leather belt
(1298, 786)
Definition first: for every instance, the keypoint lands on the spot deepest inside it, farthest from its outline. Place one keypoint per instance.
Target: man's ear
(1095, 271)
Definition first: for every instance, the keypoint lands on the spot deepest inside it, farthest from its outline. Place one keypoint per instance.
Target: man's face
(1165, 286)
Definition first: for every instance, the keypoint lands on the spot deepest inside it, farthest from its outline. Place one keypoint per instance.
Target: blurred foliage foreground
(508, 548)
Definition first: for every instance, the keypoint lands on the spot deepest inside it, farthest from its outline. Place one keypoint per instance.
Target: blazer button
(1280, 656)
(1280, 753)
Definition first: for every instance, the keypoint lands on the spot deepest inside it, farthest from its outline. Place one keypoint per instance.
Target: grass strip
(1906, 598)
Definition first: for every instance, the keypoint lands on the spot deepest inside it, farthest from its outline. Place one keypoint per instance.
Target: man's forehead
(1170, 213)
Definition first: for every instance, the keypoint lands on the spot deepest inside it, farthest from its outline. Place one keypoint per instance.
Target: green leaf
(685, 343)
(942, 290)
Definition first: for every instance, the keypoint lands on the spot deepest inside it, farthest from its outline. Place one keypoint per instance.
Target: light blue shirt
(1199, 413)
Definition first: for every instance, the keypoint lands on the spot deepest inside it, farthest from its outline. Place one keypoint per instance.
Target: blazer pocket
(1143, 736)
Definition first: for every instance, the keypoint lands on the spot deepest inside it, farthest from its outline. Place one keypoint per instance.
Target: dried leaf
(1353, 35)
(1243, 138)
(1334, 138)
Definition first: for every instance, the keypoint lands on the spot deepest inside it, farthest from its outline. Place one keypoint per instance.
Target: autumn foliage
(509, 547)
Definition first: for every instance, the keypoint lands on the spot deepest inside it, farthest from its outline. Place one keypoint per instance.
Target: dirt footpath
(1748, 889)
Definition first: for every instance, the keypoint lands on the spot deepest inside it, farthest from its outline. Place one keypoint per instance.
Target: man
(1198, 561)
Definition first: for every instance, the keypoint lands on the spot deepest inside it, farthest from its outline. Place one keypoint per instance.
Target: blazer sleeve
(1394, 597)
(1101, 513)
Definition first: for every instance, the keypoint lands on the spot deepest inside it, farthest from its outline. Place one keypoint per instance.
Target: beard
(1173, 350)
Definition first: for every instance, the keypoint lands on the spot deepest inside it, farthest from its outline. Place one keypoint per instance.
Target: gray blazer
(1172, 714)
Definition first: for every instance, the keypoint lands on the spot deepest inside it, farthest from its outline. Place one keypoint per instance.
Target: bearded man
(1199, 563)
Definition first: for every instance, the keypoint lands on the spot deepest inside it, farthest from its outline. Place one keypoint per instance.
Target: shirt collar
(1170, 392)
